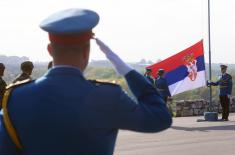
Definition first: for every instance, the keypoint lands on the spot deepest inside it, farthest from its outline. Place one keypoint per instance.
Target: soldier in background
(147, 74)
(2, 83)
(162, 87)
(225, 89)
(26, 68)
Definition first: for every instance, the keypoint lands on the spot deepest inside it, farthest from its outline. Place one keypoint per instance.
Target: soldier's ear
(49, 49)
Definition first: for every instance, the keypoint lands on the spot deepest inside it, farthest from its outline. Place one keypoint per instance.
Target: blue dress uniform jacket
(225, 84)
(151, 80)
(162, 87)
(62, 113)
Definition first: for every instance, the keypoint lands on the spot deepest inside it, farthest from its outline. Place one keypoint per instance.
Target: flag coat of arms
(183, 71)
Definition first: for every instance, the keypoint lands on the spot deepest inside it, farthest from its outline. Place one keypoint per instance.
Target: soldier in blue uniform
(163, 89)
(148, 75)
(63, 113)
(162, 86)
(225, 89)
(27, 69)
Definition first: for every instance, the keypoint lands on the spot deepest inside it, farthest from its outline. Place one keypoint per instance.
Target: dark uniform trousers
(225, 84)
(225, 102)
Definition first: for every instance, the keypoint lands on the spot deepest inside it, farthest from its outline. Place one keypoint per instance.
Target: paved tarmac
(185, 137)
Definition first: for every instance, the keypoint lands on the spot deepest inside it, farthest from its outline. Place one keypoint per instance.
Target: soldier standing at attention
(162, 86)
(2, 83)
(26, 68)
(225, 86)
(163, 89)
(148, 75)
(63, 113)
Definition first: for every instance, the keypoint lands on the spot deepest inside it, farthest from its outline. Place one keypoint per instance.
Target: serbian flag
(183, 71)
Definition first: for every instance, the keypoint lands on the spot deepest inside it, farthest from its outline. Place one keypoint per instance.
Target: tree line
(103, 71)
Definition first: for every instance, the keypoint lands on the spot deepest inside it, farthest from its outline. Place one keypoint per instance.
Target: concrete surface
(185, 137)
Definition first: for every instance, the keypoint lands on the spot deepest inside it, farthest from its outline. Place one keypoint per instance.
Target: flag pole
(209, 47)
(210, 116)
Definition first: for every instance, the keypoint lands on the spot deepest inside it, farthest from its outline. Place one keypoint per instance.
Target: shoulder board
(99, 83)
(19, 83)
(228, 77)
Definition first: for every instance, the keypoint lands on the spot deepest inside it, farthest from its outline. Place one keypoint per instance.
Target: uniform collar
(224, 74)
(65, 66)
(64, 70)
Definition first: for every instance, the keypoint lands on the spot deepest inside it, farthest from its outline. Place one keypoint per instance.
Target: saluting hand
(121, 67)
(104, 48)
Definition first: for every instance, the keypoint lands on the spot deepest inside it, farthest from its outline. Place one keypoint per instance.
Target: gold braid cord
(7, 121)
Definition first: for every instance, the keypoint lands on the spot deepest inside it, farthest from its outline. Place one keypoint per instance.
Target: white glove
(229, 96)
(121, 67)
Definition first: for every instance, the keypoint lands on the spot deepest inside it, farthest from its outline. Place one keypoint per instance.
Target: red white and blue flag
(183, 71)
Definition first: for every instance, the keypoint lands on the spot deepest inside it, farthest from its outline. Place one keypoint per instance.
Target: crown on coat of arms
(188, 58)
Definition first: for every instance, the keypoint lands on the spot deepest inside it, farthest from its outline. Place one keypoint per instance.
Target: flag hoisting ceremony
(117, 77)
(183, 71)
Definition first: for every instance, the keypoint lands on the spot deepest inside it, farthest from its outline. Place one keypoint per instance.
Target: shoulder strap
(6, 117)
(8, 124)
(103, 82)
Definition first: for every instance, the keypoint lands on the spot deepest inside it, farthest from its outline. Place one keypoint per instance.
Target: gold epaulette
(18, 83)
(103, 82)
(6, 118)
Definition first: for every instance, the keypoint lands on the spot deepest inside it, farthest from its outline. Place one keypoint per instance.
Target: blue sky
(134, 29)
